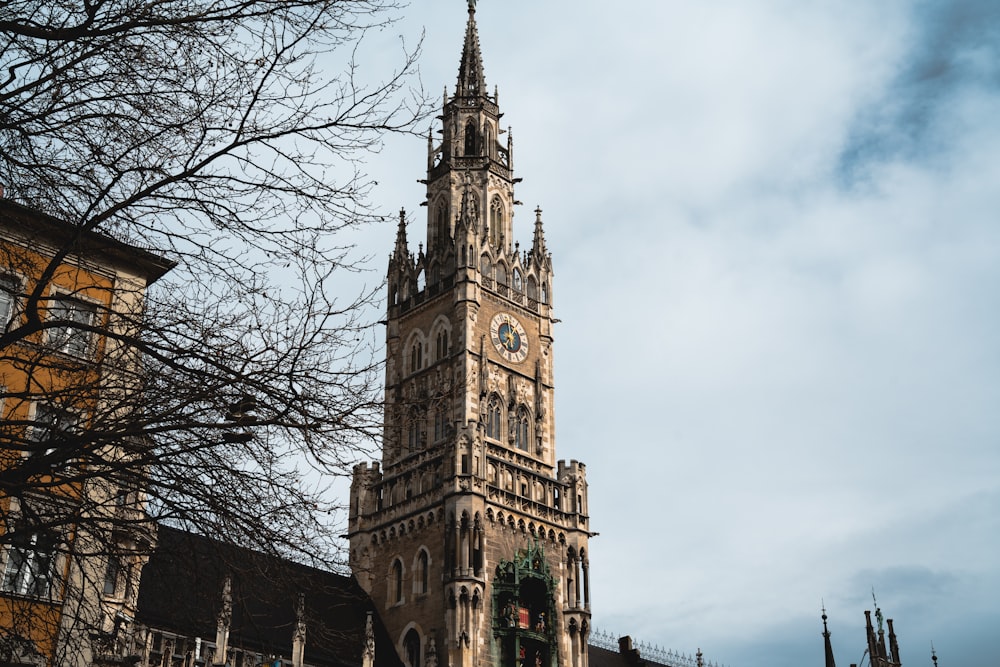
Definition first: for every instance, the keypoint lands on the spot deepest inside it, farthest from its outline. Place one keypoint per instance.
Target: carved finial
(472, 6)
(431, 660)
(368, 656)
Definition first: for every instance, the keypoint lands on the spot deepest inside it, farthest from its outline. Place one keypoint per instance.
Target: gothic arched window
(516, 280)
(522, 430)
(422, 576)
(397, 581)
(532, 288)
(494, 423)
(486, 266)
(501, 274)
(442, 344)
(488, 141)
(416, 356)
(470, 138)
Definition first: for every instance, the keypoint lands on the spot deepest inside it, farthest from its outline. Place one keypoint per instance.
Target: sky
(775, 227)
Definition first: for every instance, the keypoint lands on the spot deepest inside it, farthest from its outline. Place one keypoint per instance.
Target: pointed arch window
(501, 274)
(411, 648)
(416, 356)
(488, 141)
(516, 282)
(522, 430)
(470, 138)
(397, 581)
(532, 288)
(442, 344)
(486, 266)
(423, 574)
(494, 421)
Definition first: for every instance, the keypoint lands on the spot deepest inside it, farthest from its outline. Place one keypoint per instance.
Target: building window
(72, 335)
(50, 425)
(501, 274)
(442, 344)
(30, 565)
(416, 357)
(494, 424)
(471, 142)
(413, 431)
(397, 581)
(440, 423)
(112, 575)
(411, 648)
(485, 266)
(9, 288)
(516, 282)
(423, 573)
(522, 430)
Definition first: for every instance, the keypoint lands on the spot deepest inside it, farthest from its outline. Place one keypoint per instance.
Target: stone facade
(469, 535)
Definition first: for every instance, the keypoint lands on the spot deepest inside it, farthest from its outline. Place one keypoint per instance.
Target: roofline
(151, 265)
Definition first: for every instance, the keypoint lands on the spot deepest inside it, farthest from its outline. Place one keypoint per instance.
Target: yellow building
(69, 306)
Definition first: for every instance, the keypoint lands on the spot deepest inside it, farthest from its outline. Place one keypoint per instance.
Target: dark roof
(602, 657)
(181, 587)
(61, 233)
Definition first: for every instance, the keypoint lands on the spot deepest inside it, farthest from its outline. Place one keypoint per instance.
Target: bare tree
(217, 133)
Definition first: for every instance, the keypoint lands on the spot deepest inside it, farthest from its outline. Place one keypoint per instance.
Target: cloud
(774, 227)
(953, 51)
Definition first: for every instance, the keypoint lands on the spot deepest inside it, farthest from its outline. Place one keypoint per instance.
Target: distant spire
(828, 647)
(471, 81)
(893, 644)
(872, 642)
(933, 655)
(401, 246)
(538, 242)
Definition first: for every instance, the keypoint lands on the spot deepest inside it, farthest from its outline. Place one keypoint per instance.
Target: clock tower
(469, 536)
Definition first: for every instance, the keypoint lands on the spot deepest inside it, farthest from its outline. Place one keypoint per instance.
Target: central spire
(471, 81)
(827, 646)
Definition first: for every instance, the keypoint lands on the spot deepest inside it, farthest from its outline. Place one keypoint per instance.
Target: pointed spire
(430, 149)
(893, 644)
(933, 655)
(870, 635)
(538, 242)
(471, 81)
(827, 646)
(401, 245)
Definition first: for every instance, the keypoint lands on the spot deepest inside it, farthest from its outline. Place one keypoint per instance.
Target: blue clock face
(509, 337)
